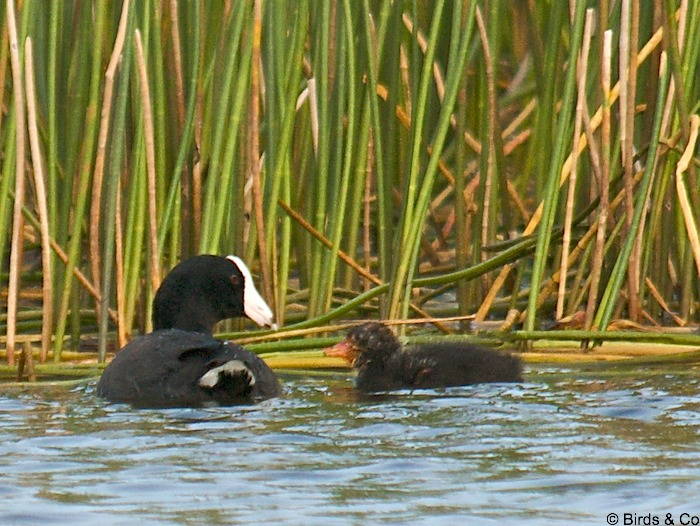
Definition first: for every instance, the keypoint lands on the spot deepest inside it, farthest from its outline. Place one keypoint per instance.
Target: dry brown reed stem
(254, 160)
(594, 122)
(405, 120)
(3, 65)
(682, 191)
(662, 303)
(367, 213)
(668, 106)
(512, 316)
(485, 306)
(604, 186)
(491, 167)
(627, 145)
(98, 174)
(593, 148)
(571, 194)
(516, 141)
(674, 48)
(470, 140)
(626, 112)
(346, 258)
(40, 188)
(177, 64)
(278, 335)
(682, 17)
(692, 201)
(82, 278)
(577, 252)
(508, 148)
(668, 109)
(119, 271)
(518, 201)
(26, 363)
(17, 219)
(295, 332)
(150, 162)
(185, 228)
(624, 75)
(313, 112)
(405, 80)
(423, 45)
(520, 118)
(197, 169)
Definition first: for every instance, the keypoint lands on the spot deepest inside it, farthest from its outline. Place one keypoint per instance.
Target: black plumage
(199, 292)
(164, 369)
(180, 364)
(382, 364)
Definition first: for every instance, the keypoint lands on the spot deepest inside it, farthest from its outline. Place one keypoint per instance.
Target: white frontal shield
(254, 305)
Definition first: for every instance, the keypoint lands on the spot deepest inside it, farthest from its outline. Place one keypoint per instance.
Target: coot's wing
(266, 383)
(149, 370)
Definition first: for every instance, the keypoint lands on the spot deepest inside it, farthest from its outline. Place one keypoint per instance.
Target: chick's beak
(344, 350)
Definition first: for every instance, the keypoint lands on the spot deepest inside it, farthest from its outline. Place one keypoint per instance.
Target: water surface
(568, 446)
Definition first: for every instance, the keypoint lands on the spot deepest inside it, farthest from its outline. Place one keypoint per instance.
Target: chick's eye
(235, 280)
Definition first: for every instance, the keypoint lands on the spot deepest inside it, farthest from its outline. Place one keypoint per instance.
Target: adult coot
(180, 363)
(383, 365)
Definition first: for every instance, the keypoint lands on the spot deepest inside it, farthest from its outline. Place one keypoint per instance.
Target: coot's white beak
(254, 305)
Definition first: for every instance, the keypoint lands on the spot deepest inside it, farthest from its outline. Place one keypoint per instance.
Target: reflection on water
(567, 446)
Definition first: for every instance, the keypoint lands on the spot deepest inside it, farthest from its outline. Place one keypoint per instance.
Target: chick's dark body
(383, 364)
(430, 366)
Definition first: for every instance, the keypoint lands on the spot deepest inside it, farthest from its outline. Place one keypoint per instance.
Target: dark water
(568, 446)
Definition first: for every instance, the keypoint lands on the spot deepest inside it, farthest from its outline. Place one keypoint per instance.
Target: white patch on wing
(211, 377)
(254, 305)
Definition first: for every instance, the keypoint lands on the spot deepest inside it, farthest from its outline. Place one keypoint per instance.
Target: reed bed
(528, 162)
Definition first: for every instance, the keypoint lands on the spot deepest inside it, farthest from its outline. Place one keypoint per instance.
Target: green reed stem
(166, 225)
(84, 179)
(112, 187)
(551, 196)
(609, 298)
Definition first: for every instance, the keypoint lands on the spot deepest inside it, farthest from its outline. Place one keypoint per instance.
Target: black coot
(383, 365)
(180, 364)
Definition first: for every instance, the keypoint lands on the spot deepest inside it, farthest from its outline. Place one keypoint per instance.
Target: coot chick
(383, 365)
(180, 363)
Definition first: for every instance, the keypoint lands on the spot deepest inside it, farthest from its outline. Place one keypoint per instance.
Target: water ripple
(569, 445)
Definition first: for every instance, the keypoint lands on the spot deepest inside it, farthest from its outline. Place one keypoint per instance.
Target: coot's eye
(235, 280)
